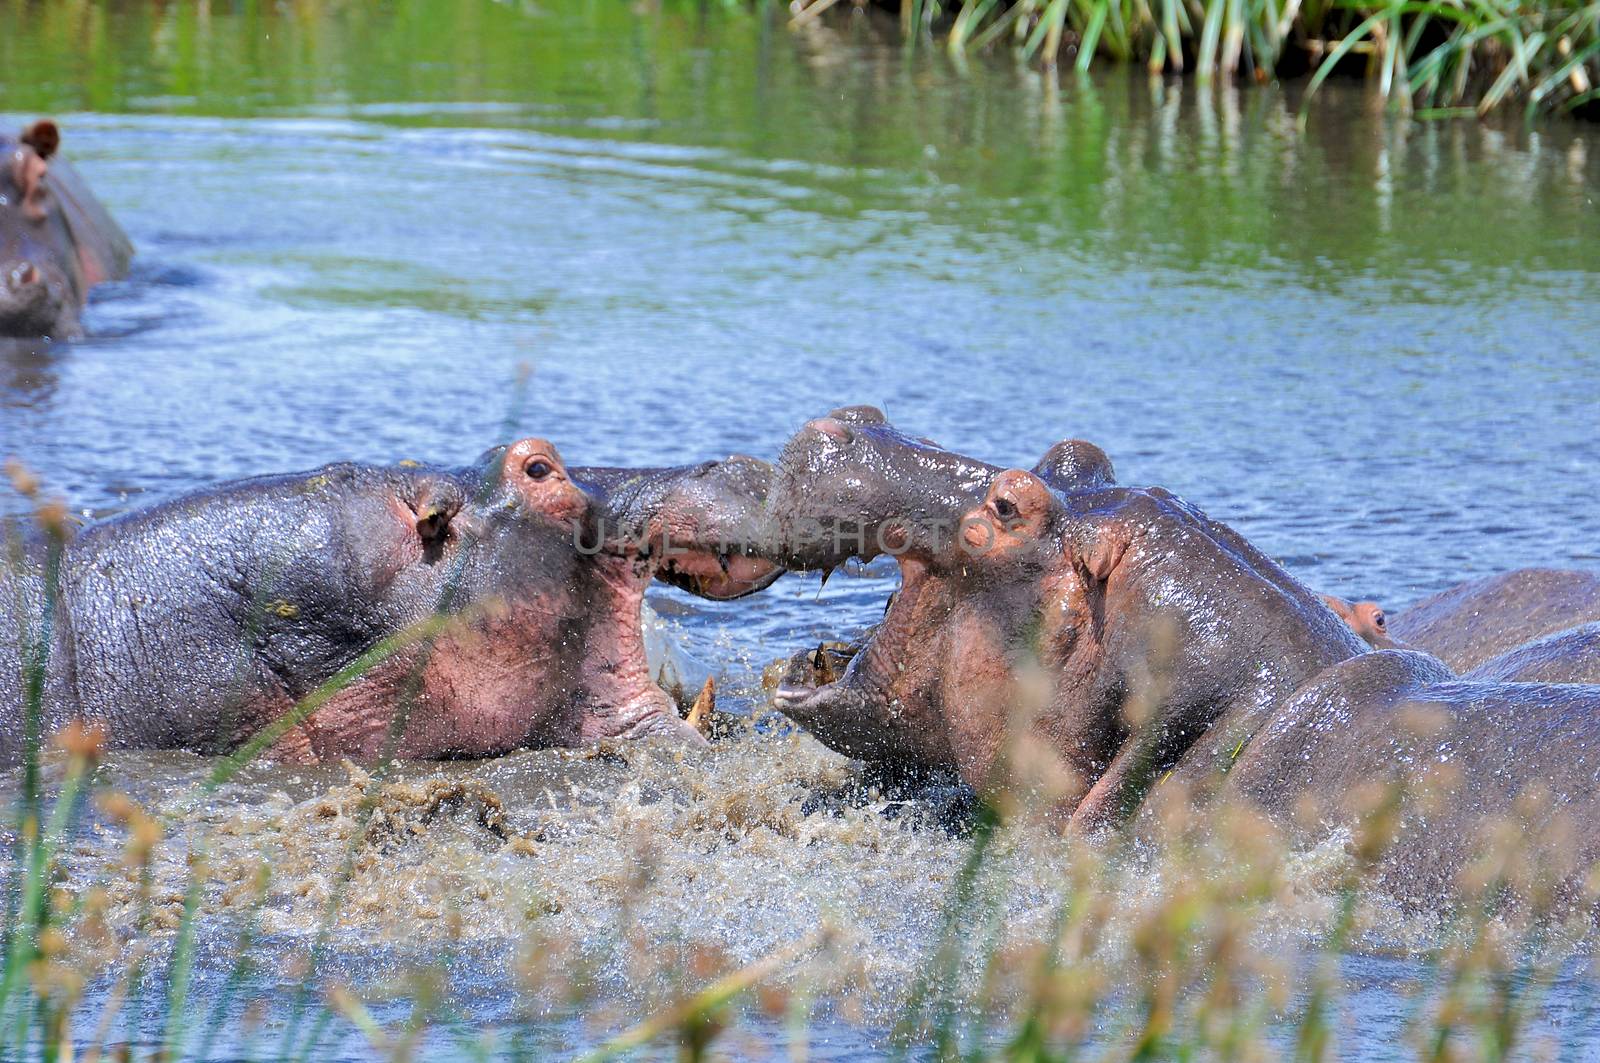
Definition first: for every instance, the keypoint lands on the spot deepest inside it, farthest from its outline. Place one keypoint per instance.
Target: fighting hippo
(354, 609)
(1138, 641)
(1366, 619)
(1470, 623)
(56, 240)
(852, 485)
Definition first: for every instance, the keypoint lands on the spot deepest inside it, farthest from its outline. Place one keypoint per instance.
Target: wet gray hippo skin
(852, 485)
(196, 623)
(1570, 656)
(1467, 625)
(1382, 715)
(1075, 465)
(56, 240)
(1129, 601)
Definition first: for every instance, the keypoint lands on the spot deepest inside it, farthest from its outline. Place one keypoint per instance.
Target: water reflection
(1368, 345)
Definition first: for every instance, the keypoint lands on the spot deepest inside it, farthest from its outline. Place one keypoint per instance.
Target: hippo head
(697, 526)
(1108, 627)
(56, 240)
(544, 645)
(620, 527)
(36, 293)
(851, 485)
(1366, 619)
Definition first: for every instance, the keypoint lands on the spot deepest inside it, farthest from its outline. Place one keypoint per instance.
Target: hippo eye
(537, 469)
(1377, 621)
(1005, 508)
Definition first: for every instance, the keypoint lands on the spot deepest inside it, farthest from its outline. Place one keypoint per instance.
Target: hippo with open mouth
(56, 240)
(1137, 642)
(356, 610)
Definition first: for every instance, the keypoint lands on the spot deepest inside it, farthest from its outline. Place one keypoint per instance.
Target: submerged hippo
(56, 240)
(514, 616)
(1470, 623)
(1135, 639)
(1366, 619)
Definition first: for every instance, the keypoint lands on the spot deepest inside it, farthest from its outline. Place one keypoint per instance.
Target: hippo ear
(43, 136)
(1104, 553)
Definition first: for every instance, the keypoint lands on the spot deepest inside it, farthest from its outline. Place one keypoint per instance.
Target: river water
(1372, 346)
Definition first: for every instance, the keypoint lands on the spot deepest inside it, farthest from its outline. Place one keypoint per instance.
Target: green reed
(1437, 58)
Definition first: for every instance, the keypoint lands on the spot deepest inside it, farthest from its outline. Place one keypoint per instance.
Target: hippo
(852, 485)
(56, 240)
(1142, 644)
(1570, 656)
(512, 613)
(916, 493)
(1366, 619)
(1468, 624)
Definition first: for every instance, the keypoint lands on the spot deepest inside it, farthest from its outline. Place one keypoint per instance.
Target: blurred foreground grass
(1153, 952)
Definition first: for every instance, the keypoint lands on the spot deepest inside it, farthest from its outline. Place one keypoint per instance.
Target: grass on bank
(1438, 57)
(1125, 972)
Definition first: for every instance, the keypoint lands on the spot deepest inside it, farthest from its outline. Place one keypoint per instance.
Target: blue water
(1373, 348)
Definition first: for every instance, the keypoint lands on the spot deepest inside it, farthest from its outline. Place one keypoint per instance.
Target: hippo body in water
(1519, 618)
(1470, 623)
(199, 622)
(1141, 643)
(1570, 656)
(56, 240)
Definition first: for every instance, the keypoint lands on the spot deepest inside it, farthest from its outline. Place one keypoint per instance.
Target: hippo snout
(21, 276)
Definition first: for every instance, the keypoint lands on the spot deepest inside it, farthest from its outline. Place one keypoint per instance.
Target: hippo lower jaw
(618, 699)
(864, 713)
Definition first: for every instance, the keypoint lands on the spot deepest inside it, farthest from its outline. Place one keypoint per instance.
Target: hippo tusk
(704, 705)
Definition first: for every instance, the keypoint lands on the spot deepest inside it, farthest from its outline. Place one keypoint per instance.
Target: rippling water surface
(1373, 347)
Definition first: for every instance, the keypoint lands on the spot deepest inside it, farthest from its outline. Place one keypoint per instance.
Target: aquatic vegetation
(1442, 57)
(217, 916)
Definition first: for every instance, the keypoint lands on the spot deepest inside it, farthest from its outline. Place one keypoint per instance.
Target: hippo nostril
(1005, 508)
(831, 428)
(23, 275)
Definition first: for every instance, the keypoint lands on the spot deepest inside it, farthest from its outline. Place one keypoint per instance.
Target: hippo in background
(199, 623)
(1134, 644)
(1519, 618)
(1366, 619)
(1570, 656)
(56, 240)
(1470, 623)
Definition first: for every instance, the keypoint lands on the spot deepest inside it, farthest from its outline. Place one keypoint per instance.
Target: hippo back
(1570, 656)
(1468, 624)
